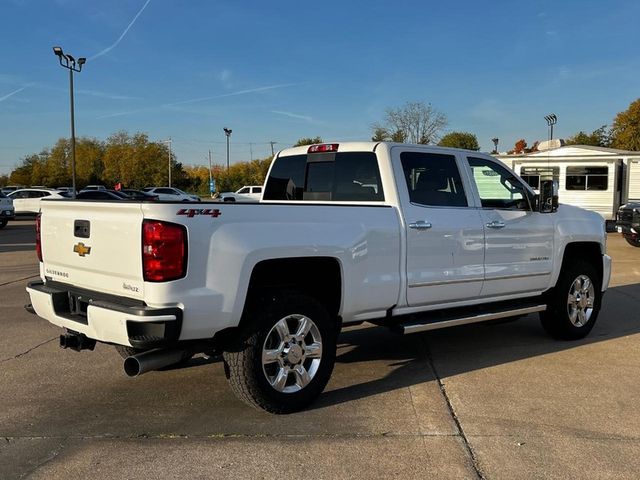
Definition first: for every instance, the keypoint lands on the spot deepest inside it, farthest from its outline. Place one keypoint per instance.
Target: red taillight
(164, 251)
(325, 147)
(38, 239)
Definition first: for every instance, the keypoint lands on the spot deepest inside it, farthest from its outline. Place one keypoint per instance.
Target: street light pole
(551, 121)
(169, 142)
(68, 62)
(227, 132)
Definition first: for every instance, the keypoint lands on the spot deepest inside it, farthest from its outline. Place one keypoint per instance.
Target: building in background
(596, 178)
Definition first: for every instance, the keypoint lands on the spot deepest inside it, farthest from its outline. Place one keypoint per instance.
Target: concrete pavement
(484, 401)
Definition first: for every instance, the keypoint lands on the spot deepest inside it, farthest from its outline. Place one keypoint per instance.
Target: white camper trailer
(596, 178)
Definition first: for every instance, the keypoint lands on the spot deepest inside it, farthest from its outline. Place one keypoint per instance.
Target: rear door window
(332, 177)
(433, 179)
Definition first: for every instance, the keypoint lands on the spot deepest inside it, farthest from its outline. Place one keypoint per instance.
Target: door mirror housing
(548, 197)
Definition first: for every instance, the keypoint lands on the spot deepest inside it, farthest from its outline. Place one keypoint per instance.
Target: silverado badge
(81, 249)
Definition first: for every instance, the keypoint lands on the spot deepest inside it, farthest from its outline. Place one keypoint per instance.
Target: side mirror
(548, 198)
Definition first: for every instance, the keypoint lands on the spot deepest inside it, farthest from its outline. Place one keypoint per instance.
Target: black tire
(634, 242)
(247, 375)
(3, 223)
(557, 319)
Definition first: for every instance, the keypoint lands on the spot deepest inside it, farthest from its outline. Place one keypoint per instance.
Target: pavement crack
(22, 354)
(19, 280)
(474, 460)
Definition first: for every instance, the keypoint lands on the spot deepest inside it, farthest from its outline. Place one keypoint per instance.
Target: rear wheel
(3, 223)
(287, 360)
(634, 242)
(574, 303)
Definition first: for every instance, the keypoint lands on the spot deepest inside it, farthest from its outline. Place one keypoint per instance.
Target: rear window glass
(342, 176)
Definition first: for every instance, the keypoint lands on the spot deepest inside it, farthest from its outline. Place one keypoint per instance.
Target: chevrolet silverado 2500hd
(411, 237)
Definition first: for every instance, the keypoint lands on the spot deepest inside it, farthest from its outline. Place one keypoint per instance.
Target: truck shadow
(425, 357)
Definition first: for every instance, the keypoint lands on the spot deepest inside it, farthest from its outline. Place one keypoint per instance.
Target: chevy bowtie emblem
(81, 249)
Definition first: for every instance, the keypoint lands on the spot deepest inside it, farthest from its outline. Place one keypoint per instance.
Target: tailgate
(93, 245)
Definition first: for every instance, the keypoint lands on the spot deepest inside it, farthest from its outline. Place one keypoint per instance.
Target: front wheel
(3, 223)
(286, 362)
(574, 303)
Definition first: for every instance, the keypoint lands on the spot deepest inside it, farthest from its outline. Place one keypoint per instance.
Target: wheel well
(318, 277)
(588, 251)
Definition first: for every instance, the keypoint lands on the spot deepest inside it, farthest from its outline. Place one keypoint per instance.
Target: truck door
(444, 235)
(519, 241)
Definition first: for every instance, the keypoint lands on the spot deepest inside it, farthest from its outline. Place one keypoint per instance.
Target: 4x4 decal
(192, 212)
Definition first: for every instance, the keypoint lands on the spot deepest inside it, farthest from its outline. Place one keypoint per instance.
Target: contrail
(241, 92)
(115, 44)
(11, 94)
(293, 115)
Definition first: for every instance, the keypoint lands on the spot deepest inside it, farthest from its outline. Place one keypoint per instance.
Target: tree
(600, 137)
(308, 141)
(626, 128)
(414, 122)
(460, 140)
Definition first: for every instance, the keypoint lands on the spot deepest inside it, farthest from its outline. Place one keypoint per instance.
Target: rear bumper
(105, 318)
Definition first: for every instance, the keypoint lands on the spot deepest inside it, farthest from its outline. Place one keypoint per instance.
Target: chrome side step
(465, 320)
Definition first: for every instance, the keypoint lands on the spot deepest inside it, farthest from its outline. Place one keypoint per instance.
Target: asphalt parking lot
(482, 401)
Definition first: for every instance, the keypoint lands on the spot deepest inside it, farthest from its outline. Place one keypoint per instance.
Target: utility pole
(251, 150)
(272, 144)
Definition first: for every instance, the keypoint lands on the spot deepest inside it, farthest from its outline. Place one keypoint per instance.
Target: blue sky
(278, 71)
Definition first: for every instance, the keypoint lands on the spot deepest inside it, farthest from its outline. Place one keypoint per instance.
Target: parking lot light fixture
(69, 62)
(495, 144)
(551, 121)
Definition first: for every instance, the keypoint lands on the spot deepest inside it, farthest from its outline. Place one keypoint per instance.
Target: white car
(248, 193)
(27, 200)
(6, 210)
(171, 194)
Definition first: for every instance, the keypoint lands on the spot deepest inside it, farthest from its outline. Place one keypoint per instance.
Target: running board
(465, 320)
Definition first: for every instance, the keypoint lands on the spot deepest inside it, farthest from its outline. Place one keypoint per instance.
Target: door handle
(420, 225)
(496, 224)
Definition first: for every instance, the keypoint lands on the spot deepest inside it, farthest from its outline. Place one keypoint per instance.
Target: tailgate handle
(81, 229)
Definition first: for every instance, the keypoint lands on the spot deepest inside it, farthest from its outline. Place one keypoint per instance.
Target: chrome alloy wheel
(580, 301)
(291, 353)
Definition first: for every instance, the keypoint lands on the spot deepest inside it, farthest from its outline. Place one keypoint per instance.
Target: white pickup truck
(407, 236)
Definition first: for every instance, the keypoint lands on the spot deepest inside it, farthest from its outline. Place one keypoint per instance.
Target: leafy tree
(600, 137)
(460, 140)
(4, 180)
(414, 122)
(308, 141)
(626, 128)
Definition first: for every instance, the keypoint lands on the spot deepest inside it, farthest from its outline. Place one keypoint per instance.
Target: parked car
(94, 187)
(171, 194)
(139, 194)
(248, 193)
(26, 201)
(6, 210)
(102, 194)
(10, 188)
